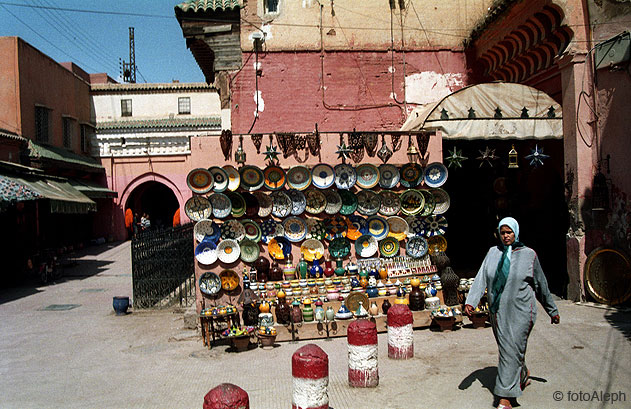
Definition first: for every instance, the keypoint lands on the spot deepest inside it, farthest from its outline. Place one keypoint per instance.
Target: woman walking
(513, 278)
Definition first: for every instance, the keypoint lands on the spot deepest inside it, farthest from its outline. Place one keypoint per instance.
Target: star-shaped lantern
(488, 156)
(455, 158)
(537, 157)
(271, 154)
(343, 152)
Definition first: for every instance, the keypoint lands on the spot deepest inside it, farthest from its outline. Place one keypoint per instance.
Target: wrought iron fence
(163, 271)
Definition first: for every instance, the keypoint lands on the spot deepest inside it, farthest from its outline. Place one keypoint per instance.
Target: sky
(96, 40)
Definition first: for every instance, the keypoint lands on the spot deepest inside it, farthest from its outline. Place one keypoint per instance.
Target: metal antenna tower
(129, 69)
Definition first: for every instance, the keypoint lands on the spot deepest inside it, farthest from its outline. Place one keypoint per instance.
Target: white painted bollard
(363, 369)
(400, 333)
(310, 371)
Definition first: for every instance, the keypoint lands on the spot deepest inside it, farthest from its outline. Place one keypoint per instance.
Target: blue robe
(517, 312)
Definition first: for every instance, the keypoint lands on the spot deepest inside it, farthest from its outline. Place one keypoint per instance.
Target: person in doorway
(145, 223)
(513, 278)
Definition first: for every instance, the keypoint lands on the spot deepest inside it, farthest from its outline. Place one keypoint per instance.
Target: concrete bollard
(226, 396)
(363, 369)
(400, 335)
(310, 371)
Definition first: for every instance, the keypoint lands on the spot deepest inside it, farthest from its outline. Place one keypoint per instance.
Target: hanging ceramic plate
(200, 180)
(389, 247)
(412, 202)
(358, 226)
(367, 176)
(266, 204)
(435, 174)
(274, 177)
(349, 202)
(198, 208)
(430, 203)
(228, 251)
(295, 228)
(390, 203)
(411, 175)
(435, 226)
(252, 178)
(249, 251)
(269, 229)
(234, 179)
(340, 247)
(315, 229)
(442, 200)
(251, 204)
(279, 248)
(312, 249)
(368, 202)
(378, 227)
(202, 229)
(416, 226)
(238, 204)
(399, 228)
(222, 206)
(206, 252)
(209, 283)
(322, 176)
(354, 298)
(220, 178)
(229, 280)
(333, 202)
(416, 247)
(298, 201)
(366, 246)
(282, 204)
(388, 176)
(232, 229)
(298, 177)
(345, 176)
(316, 201)
(437, 243)
(335, 226)
(252, 230)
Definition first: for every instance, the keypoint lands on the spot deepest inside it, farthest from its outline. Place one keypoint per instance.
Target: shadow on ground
(620, 320)
(485, 376)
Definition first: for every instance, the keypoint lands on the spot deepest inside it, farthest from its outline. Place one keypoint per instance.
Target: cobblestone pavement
(87, 357)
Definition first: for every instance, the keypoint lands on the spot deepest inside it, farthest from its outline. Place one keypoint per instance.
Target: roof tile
(208, 5)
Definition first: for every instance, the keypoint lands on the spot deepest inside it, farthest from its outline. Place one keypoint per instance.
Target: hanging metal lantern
(512, 158)
(600, 192)
(239, 155)
(412, 151)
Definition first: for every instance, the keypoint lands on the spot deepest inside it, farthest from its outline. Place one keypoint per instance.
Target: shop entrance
(157, 201)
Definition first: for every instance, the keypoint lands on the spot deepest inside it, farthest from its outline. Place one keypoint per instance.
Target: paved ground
(89, 358)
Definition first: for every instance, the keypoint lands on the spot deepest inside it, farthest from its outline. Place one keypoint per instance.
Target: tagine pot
(120, 305)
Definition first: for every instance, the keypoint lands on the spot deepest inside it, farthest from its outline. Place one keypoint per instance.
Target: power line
(115, 13)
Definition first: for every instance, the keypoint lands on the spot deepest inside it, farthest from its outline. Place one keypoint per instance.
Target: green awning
(93, 190)
(63, 157)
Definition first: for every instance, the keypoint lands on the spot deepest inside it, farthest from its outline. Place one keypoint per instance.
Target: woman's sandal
(504, 407)
(525, 382)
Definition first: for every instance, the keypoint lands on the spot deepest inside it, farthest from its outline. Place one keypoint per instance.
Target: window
(85, 138)
(68, 130)
(271, 6)
(184, 105)
(125, 107)
(42, 128)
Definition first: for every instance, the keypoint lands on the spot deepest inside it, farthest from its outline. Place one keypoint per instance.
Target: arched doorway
(156, 200)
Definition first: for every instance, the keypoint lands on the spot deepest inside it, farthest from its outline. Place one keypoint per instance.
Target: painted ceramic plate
(252, 178)
(340, 247)
(358, 226)
(312, 249)
(353, 300)
(251, 204)
(206, 252)
(435, 174)
(368, 202)
(366, 246)
(416, 225)
(389, 176)
(378, 227)
(412, 202)
(367, 175)
(322, 176)
(390, 203)
(198, 208)
(333, 201)
(430, 203)
(411, 175)
(202, 229)
(316, 201)
(266, 204)
(345, 176)
(399, 228)
(220, 178)
(232, 229)
(437, 243)
(435, 226)
(295, 228)
(222, 206)
(209, 283)
(238, 204)
(349, 202)
(298, 177)
(279, 248)
(315, 229)
(282, 204)
(335, 226)
(229, 280)
(200, 180)
(252, 230)
(274, 178)
(228, 251)
(269, 229)
(389, 247)
(298, 201)
(249, 251)
(416, 247)
(442, 200)
(234, 179)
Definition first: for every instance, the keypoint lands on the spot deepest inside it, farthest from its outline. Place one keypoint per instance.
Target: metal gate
(163, 270)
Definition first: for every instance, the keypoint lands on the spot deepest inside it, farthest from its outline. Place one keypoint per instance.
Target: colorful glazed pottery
(358, 226)
(390, 203)
(249, 251)
(367, 176)
(200, 181)
(442, 200)
(232, 229)
(434, 226)
(378, 227)
(333, 201)
(279, 248)
(252, 230)
(228, 251)
(209, 283)
(220, 178)
(429, 205)
(202, 229)
(322, 176)
(368, 202)
(366, 246)
(266, 204)
(312, 249)
(234, 179)
(411, 175)
(416, 247)
(412, 202)
(388, 176)
(349, 202)
(298, 177)
(389, 247)
(315, 229)
(222, 206)
(274, 177)
(316, 201)
(435, 174)
(298, 201)
(295, 228)
(282, 204)
(345, 176)
(198, 208)
(252, 178)
(269, 229)
(399, 228)
(206, 252)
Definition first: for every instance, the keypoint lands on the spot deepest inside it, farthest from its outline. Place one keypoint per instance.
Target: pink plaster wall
(9, 86)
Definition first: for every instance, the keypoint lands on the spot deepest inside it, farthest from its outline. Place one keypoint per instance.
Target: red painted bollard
(227, 396)
(363, 369)
(400, 335)
(310, 371)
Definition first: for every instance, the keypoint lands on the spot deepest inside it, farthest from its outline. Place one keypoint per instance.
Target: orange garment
(129, 218)
(176, 218)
